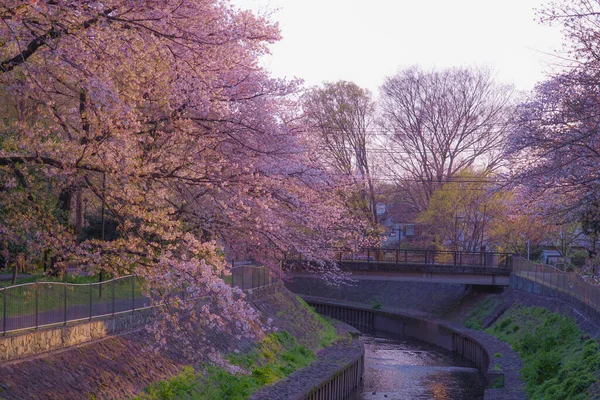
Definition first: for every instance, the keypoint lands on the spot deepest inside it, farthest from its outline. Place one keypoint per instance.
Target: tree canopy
(166, 103)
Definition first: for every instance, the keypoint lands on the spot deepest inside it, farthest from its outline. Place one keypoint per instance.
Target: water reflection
(403, 370)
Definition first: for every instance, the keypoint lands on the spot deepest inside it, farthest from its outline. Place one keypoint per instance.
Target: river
(408, 369)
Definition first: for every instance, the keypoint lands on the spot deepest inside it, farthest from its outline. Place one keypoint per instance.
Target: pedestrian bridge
(472, 268)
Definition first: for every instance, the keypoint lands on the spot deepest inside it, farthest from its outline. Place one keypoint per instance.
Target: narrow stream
(408, 369)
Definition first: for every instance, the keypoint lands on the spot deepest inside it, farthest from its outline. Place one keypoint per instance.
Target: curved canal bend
(411, 357)
(404, 369)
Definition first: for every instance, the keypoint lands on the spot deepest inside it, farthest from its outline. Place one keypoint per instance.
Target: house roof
(398, 213)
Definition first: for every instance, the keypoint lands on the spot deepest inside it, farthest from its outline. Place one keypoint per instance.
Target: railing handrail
(57, 305)
(67, 283)
(587, 292)
(432, 258)
(362, 249)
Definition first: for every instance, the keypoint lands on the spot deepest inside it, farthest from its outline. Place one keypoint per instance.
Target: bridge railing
(569, 283)
(425, 257)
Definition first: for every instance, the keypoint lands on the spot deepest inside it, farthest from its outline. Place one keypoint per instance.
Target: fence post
(4, 313)
(37, 294)
(543, 275)
(133, 292)
(113, 296)
(90, 301)
(65, 301)
(242, 278)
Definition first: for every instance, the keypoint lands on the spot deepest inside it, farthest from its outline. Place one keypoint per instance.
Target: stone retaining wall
(427, 297)
(472, 345)
(33, 342)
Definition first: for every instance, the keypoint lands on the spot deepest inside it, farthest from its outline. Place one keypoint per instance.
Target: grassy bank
(559, 360)
(277, 356)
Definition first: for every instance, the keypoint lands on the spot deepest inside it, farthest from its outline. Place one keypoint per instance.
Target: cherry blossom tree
(159, 110)
(554, 147)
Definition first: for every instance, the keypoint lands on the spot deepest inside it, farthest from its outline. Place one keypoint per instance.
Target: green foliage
(276, 356)
(93, 228)
(497, 384)
(376, 305)
(476, 316)
(579, 257)
(180, 386)
(458, 212)
(556, 363)
(328, 335)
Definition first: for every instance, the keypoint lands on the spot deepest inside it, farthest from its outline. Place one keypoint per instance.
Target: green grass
(22, 300)
(559, 362)
(476, 316)
(376, 305)
(328, 334)
(497, 384)
(275, 357)
(40, 277)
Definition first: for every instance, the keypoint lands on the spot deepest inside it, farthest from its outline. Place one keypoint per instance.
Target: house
(399, 223)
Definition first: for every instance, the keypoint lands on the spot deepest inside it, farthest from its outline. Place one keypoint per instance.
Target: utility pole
(483, 224)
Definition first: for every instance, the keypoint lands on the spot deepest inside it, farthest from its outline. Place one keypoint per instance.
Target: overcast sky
(365, 41)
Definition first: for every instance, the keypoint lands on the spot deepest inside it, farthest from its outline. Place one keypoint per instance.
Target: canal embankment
(484, 311)
(122, 366)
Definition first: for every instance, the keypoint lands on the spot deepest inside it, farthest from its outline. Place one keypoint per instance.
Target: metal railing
(41, 304)
(569, 283)
(421, 257)
(249, 277)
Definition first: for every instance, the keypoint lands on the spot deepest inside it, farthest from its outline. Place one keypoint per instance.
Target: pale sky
(365, 41)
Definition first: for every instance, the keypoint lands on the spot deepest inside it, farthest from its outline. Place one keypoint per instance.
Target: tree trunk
(46, 259)
(78, 211)
(5, 254)
(18, 265)
(14, 276)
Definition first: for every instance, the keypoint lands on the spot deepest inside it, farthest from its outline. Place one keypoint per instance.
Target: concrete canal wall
(475, 346)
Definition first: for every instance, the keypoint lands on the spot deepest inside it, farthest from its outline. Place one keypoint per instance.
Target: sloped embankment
(557, 344)
(122, 366)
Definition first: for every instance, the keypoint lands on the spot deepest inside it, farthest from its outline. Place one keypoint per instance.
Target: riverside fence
(568, 283)
(41, 304)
